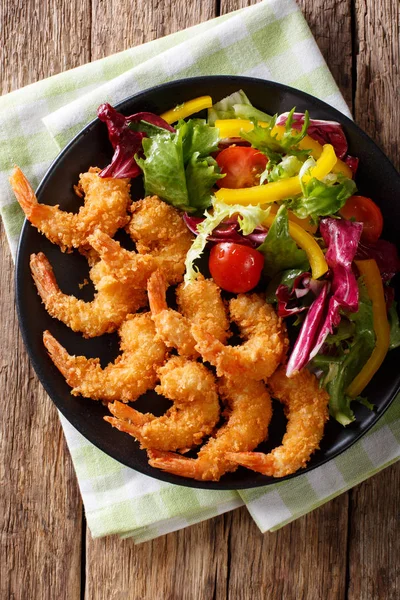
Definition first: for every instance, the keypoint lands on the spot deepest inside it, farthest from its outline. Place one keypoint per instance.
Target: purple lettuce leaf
(288, 299)
(305, 341)
(228, 231)
(352, 162)
(342, 239)
(125, 142)
(386, 257)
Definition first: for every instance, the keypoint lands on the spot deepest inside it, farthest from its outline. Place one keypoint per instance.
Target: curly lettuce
(274, 147)
(249, 217)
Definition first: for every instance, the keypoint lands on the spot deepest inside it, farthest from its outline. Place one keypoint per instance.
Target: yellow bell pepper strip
(232, 128)
(182, 111)
(261, 194)
(304, 223)
(307, 143)
(373, 281)
(305, 241)
(324, 164)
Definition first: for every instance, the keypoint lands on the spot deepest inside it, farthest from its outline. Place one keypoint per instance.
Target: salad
(273, 203)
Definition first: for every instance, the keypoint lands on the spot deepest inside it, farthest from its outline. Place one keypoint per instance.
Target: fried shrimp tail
(306, 408)
(200, 302)
(105, 207)
(248, 414)
(194, 414)
(113, 300)
(128, 377)
(264, 346)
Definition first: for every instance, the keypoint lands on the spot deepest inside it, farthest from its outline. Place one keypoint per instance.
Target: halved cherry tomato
(234, 267)
(241, 165)
(365, 211)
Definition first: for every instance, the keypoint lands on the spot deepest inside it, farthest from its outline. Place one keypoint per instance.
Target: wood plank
(137, 22)
(304, 560)
(374, 538)
(39, 39)
(374, 516)
(330, 23)
(41, 512)
(191, 564)
(377, 44)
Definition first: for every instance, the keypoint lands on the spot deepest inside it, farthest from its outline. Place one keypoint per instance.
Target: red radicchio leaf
(305, 341)
(228, 231)
(385, 255)
(352, 162)
(342, 238)
(287, 304)
(126, 143)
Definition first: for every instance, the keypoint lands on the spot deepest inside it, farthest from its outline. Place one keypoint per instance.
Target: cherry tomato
(234, 267)
(242, 166)
(365, 211)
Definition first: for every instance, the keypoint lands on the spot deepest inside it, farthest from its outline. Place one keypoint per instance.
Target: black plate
(376, 178)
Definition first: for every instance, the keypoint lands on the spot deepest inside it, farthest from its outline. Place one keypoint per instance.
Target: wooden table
(345, 549)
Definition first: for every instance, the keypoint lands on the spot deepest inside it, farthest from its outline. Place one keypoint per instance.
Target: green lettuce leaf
(197, 137)
(279, 248)
(236, 106)
(201, 175)
(177, 166)
(339, 371)
(224, 108)
(249, 217)
(394, 327)
(164, 170)
(321, 199)
(289, 166)
(266, 141)
(247, 111)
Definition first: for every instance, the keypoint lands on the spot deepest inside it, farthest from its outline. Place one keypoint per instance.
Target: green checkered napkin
(269, 40)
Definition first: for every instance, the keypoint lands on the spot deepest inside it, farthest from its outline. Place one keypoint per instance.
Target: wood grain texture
(226, 557)
(377, 86)
(330, 22)
(41, 512)
(191, 564)
(40, 505)
(374, 541)
(41, 38)
(138, 21)
(303, 561)
(374, 530)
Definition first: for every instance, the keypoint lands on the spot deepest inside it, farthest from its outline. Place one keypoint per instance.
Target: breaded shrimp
(200, 302)
(159, 232)
(265, 345)
(249, 412)
(105, 207)
(128, 377)
(113, 300)
(306, 408)
(194, 414)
